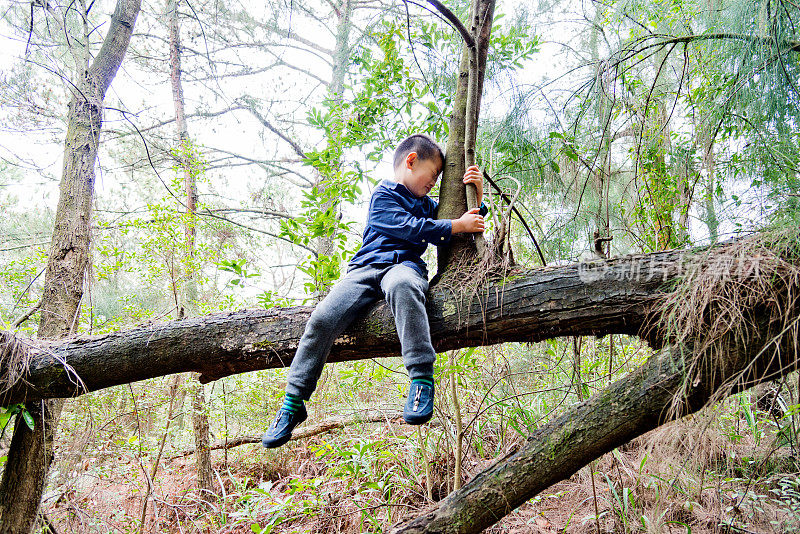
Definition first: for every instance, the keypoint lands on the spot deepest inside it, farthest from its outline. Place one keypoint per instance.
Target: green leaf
(570, 153)
(28, 418)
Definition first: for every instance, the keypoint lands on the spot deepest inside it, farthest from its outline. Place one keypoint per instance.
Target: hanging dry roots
(746, 293)
(14, 360)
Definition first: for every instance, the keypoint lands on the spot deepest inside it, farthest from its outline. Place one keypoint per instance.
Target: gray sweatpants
(404, 289)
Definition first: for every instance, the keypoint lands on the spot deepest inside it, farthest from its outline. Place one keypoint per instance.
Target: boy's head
(423, 144)
(418, 161)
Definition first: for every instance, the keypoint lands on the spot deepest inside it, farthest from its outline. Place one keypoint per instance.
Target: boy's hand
(475, 176)
(470, 222)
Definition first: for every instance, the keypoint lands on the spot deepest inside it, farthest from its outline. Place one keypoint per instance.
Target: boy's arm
(474, 176)
(472, 221)
(389, 218)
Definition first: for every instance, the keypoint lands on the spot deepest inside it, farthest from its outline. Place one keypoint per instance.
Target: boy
(400, 225)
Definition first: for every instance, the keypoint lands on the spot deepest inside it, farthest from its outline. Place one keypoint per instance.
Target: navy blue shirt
(400, 227)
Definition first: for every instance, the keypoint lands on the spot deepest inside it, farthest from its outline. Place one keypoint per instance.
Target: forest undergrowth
(731, 468)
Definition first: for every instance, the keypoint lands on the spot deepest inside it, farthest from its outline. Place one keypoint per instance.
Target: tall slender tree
(31, 451)
(454, 197)
(188, 164)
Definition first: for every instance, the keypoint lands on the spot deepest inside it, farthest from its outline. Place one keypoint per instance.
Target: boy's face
(419, 175)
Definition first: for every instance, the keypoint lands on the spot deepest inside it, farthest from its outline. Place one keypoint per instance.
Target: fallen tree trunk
(599, 298)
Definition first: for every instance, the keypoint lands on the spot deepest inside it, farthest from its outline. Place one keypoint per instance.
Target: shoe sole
(418, 420)
(274, 444)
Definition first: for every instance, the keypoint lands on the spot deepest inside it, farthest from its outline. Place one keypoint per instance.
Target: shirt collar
(400, 188)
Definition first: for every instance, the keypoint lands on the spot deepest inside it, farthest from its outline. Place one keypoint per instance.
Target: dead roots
(14, 360)
(737, 299)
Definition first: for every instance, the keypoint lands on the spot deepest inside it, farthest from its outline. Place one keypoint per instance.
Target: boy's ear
(410, 159)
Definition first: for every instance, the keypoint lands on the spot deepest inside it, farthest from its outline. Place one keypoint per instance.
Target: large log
(609, 297)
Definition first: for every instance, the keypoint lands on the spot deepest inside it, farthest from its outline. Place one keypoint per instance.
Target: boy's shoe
(280, 431)
(419, 404)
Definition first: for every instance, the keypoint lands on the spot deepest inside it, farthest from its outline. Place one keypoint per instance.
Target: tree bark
(482, 18)
(452, 193)
(600, 175)
(598, 298)
(31, 451)
(705, 140)
(202, 437)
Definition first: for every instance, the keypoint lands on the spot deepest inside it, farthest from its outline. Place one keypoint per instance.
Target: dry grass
(681, 477)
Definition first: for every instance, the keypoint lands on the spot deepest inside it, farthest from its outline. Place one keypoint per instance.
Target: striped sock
(291, 403)
(428, 380)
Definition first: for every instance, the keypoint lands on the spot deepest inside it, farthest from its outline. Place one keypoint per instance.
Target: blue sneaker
(419, 404)
(280, 431)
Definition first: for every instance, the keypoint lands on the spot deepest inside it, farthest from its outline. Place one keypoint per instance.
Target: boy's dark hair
(423, 144)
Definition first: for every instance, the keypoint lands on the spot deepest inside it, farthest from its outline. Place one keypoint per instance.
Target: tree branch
(455, 21)
(297, 148)
(201, 114)
(793, 46)
(374, 416)
(598, 298)
(115, 44)
(27, 314)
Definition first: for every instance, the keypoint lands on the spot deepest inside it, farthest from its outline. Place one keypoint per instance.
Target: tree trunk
(600, 175)
(611, 297)
(200, 425)
(25, 474)
(205, 476)
(705, 139)
(325, 245)
(454, 198)
(31, 451)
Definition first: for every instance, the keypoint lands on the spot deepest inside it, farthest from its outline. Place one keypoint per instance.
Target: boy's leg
(329, 319)
(405, 289)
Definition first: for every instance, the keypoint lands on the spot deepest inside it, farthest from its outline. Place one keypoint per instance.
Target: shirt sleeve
(388, 217)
